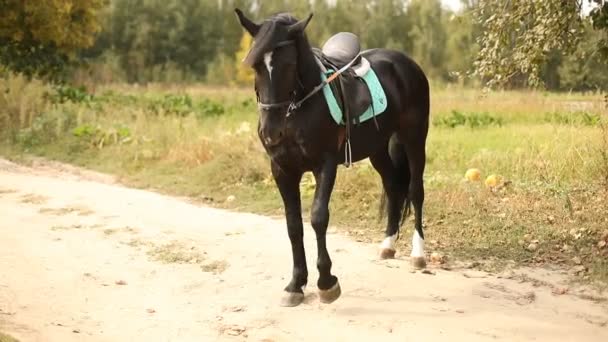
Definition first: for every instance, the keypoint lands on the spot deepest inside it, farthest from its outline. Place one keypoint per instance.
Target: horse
(299, 136)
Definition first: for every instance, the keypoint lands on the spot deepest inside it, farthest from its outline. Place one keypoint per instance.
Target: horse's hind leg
(413, 137)
(391, 164)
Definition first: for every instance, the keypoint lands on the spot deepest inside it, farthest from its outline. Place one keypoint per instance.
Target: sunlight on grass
(202, 142)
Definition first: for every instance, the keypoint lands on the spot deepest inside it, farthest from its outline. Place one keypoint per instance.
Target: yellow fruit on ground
(492, 181)
(473, 175)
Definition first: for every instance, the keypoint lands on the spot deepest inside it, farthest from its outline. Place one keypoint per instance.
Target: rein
(293, 106)
(290, 104)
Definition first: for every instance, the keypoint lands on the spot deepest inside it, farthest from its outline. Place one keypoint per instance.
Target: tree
(244, 74)
(520, 35)
(429, 35)
(39, 37)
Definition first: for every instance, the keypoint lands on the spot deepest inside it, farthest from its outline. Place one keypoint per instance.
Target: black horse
(299, 135)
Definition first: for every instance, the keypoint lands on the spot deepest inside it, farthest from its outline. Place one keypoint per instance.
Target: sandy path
(66, 240)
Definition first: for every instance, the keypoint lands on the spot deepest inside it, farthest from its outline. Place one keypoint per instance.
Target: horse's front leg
(289, 187)
(325, 176)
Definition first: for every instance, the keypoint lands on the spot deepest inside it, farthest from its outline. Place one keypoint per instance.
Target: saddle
(349, 88)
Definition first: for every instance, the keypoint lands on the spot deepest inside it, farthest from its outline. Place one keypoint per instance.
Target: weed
(198, 142)
(215, 267)
(66, 93)
(575, 118)
(473, 120)
(603, 152)
(98, 137)
(175, 252)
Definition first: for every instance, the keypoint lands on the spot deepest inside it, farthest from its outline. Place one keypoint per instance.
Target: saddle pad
(378, 98)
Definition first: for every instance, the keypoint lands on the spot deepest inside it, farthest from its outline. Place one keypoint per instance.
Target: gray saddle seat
(341, 48)
(349, 88)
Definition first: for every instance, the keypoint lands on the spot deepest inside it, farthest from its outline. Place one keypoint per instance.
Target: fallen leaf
(460, 311)
(150, 310)
(579, 269)
(560, 290)
(120, 282)
(437, 258)
(76, 331)
(425, 271)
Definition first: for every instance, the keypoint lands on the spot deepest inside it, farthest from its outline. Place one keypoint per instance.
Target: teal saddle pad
(379, 102)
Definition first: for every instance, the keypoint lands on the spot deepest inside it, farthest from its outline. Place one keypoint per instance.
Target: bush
(473, 120)
(21, 101)
(574, 118)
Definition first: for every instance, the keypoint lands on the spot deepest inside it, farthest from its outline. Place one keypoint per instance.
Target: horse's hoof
(418, 262)
(330, 296)
(387, 253)
(291, 299)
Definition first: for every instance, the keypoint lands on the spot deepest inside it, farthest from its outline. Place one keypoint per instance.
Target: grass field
(551, 149)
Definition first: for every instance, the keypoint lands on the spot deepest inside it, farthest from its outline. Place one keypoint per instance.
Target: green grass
(201, 142)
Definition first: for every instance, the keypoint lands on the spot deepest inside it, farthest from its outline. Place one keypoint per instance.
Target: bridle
(291, 105)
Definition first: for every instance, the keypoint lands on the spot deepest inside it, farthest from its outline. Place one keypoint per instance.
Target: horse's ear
(299, 26)
(247, 24)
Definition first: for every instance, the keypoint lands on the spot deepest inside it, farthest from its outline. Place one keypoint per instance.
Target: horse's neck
(308, 69)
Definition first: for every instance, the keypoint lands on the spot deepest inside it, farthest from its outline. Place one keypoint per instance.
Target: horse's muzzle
(272, 139)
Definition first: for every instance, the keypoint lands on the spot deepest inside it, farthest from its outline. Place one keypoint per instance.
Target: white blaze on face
(267, 61)
(417, 245)
(389, 242)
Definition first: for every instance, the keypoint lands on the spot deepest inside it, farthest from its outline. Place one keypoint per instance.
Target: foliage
(38, 37)
(183, 105)
(576, 118)
(244, 74)
(98, 137)
(518, 36)
(66, 93)
(513, 43)
(585, 68)
(555, 170)
(473, 120)
(428, 35)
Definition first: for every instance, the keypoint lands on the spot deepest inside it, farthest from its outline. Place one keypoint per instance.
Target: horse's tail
(399, 158)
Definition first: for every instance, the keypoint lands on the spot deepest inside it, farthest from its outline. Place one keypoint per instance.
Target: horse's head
(274, 57)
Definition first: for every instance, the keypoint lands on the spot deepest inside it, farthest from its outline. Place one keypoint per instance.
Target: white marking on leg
(267, 60)
(417, 245)
(389, 242)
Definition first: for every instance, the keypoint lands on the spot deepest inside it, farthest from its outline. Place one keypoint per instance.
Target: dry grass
(215, 267)
(175, 253)
(80, 211)
(33, 199)
(548, 147)
(6, 338)
(21, 101)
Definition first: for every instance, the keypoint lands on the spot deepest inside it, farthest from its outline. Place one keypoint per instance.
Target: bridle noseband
(292, 105)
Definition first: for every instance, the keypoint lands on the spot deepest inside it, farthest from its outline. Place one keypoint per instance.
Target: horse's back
(400, 75)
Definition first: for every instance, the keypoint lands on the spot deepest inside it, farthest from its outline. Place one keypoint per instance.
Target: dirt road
(84, 259)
